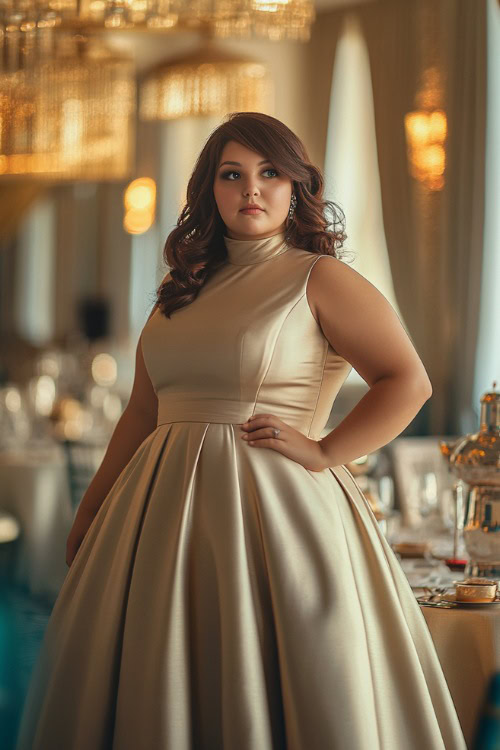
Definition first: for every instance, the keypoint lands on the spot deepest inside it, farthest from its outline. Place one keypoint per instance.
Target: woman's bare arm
(362, 327)
(137, 421)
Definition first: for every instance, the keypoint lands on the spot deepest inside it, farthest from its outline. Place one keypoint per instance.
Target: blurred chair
(83, 460)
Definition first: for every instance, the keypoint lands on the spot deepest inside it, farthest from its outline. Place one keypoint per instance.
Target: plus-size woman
(229, 587)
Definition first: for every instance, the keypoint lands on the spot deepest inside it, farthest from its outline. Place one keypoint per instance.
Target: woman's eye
(226, 174)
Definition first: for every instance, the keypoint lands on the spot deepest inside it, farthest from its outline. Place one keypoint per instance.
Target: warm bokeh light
(13, 400)
(112, 407)
(42, 390)
(69, 408)
(140, 194)
(49, 364)
(104, 369)
(137, 222)
(426, 135)
(140, 205)
(10, 528)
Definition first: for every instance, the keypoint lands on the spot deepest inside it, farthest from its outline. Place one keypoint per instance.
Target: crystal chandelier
(209, 81)
(270, 19)
(71, 116)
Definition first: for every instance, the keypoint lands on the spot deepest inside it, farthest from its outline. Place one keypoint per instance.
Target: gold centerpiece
(475, 459)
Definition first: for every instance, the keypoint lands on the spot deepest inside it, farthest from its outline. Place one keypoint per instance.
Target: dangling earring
(293, 204)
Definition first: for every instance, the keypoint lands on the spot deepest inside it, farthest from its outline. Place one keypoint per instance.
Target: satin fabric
(225, 597)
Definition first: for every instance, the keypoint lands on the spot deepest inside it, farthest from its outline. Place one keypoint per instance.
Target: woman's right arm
(137, 421)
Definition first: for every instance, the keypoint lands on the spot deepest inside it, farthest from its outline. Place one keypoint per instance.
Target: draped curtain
(465, 55)
(434, 240)
(325, 34)
(15, 199)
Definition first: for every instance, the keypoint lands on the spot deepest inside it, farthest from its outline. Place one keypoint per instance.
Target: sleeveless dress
(225, 597)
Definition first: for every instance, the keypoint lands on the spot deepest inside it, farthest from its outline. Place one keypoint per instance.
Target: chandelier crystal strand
(71, 117)
(275, 20)
(26, 29)
(207, 82)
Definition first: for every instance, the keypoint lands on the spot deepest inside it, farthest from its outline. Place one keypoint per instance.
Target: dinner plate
(452, 598)
(448, 601)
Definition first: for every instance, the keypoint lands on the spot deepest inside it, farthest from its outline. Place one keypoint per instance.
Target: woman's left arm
(363, 327)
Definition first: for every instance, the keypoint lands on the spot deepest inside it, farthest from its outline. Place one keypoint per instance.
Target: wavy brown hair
(195, 248)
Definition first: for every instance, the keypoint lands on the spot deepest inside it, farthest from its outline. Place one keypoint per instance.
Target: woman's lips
(251, 210)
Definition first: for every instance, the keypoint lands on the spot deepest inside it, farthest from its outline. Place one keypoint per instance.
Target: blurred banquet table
(34, 488)
(466, 638)
(467, 642)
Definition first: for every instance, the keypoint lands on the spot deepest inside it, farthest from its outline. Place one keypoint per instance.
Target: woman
(229, 586)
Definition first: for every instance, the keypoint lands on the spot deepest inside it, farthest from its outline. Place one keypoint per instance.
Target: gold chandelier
(271, 19)
(209, 81)
(69, 117)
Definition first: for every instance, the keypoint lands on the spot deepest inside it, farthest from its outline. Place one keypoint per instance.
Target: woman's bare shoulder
(332, 276)
(360, 323)
(334, 271)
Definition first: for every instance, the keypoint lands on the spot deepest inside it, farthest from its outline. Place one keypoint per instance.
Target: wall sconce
(140, 204)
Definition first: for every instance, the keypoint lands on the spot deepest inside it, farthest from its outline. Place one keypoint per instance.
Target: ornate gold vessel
(475, 459)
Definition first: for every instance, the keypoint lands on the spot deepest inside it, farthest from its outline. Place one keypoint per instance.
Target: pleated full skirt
(225, 597)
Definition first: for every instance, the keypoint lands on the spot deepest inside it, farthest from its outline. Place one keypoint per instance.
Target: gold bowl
(476, 592)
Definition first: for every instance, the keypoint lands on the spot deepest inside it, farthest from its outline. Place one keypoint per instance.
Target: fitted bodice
(248, 344)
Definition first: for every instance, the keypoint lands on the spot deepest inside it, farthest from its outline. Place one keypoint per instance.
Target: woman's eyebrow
(266, 161)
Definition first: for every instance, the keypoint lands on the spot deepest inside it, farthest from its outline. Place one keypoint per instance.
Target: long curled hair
(195, 248)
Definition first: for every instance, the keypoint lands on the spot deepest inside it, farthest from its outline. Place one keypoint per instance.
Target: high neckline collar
(248, 252)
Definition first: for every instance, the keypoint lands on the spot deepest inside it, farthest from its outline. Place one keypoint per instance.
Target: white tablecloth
(468, 645)
(34, 488)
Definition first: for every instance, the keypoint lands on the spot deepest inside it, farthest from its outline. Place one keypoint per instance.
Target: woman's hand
(80, 527)
(258, 433)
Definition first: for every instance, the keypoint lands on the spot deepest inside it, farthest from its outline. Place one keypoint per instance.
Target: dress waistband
(174, 408)
(187, 408)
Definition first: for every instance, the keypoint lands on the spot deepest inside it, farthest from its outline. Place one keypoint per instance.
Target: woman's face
(249, 181)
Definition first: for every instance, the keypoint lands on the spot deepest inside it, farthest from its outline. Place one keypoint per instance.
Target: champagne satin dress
(225, 597)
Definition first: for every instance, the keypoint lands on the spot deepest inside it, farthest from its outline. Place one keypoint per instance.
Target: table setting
(442, 530)
(466, 635)
(455, 573)
(70, 403)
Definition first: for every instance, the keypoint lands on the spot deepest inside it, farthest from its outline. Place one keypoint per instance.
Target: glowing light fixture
(140, 204)
(426, 127)
(69, 117)
(426, 136)
(271, 19)
(209, 81)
